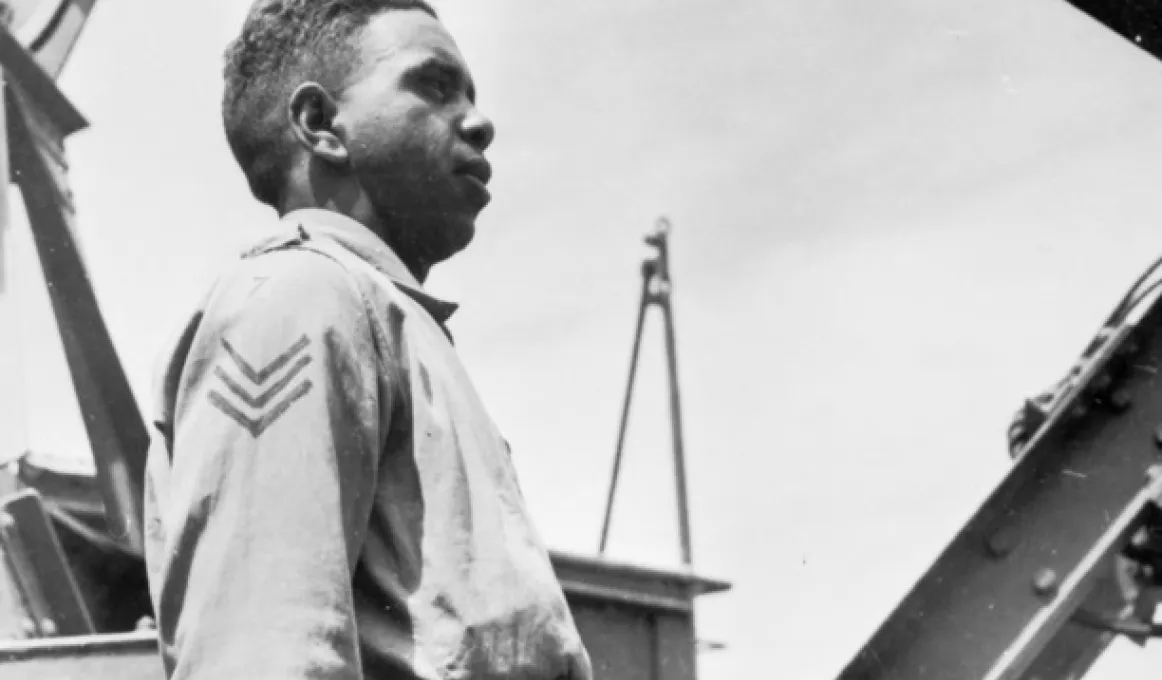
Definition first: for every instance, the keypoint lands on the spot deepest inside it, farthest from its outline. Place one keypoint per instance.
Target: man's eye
(440, 87)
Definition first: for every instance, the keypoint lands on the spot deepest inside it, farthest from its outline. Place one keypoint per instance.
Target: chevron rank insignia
(256, 398)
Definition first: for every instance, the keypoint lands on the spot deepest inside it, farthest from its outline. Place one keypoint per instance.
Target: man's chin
(458, 235)
(468, 234)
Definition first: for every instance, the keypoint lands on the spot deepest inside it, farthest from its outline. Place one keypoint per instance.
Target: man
(326, 495)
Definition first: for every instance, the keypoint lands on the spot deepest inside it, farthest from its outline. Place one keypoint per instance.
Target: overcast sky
(892, 222)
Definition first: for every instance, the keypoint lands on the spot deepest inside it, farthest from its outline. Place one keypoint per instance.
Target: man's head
(365, 107)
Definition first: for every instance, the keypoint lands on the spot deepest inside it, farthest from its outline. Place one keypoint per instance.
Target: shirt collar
(367, 246)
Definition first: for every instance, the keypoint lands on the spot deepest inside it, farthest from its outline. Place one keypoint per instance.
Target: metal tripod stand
(656, 291)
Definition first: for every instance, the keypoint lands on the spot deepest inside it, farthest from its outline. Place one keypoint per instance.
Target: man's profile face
(415, 138)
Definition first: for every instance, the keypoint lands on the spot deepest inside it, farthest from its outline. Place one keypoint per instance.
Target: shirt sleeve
(276, 441)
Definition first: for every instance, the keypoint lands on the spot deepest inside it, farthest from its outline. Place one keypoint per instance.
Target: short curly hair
(283, 44)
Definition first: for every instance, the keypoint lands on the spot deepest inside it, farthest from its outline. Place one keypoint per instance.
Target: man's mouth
(478, 168)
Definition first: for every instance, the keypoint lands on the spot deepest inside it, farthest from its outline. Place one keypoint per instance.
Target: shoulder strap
(353, 263)
(347, 259)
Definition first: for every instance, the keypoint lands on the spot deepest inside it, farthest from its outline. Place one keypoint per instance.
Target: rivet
(1120, 400)
(1001, 543)
(1045, 582)
(146, 623)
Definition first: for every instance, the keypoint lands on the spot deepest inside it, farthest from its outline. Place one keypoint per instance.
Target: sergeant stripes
(249, 393)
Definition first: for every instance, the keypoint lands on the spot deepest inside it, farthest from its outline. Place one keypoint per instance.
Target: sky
(893, 221)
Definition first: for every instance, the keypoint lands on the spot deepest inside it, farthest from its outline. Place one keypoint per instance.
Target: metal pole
(647, 273)
(5, 209)
(662, 295)
(13, 427)
(676, 425)
(5, 202)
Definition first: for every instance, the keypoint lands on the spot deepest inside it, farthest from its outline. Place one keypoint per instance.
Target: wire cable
(1129, 299)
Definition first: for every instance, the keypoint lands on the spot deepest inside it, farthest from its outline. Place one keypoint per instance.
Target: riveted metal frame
(1036, 548)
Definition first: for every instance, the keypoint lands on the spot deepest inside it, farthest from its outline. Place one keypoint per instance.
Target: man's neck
(363, 215)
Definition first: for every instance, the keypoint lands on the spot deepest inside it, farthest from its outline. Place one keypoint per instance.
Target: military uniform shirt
(326, 495)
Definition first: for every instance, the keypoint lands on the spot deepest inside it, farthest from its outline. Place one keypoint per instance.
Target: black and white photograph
(546, 340)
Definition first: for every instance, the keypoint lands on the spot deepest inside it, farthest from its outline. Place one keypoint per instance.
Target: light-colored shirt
(327, 496)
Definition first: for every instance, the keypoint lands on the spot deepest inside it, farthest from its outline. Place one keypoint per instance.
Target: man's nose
(477, 130)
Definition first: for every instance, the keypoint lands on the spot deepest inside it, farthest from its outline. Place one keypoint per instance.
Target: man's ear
(312, 113)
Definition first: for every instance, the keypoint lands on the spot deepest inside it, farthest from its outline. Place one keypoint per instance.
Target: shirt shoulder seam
(352, 279)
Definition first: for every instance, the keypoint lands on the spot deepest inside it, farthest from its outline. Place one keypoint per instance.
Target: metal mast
(657, 287)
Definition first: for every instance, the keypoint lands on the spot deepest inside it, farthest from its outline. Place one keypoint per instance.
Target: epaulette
(288, 238)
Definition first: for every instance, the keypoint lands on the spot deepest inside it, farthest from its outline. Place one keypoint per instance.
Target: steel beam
(13, 417)
(39, 86)
(1006, 586)
(55, 43)
(115, 427)
(1076, 647)
(52, 599)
